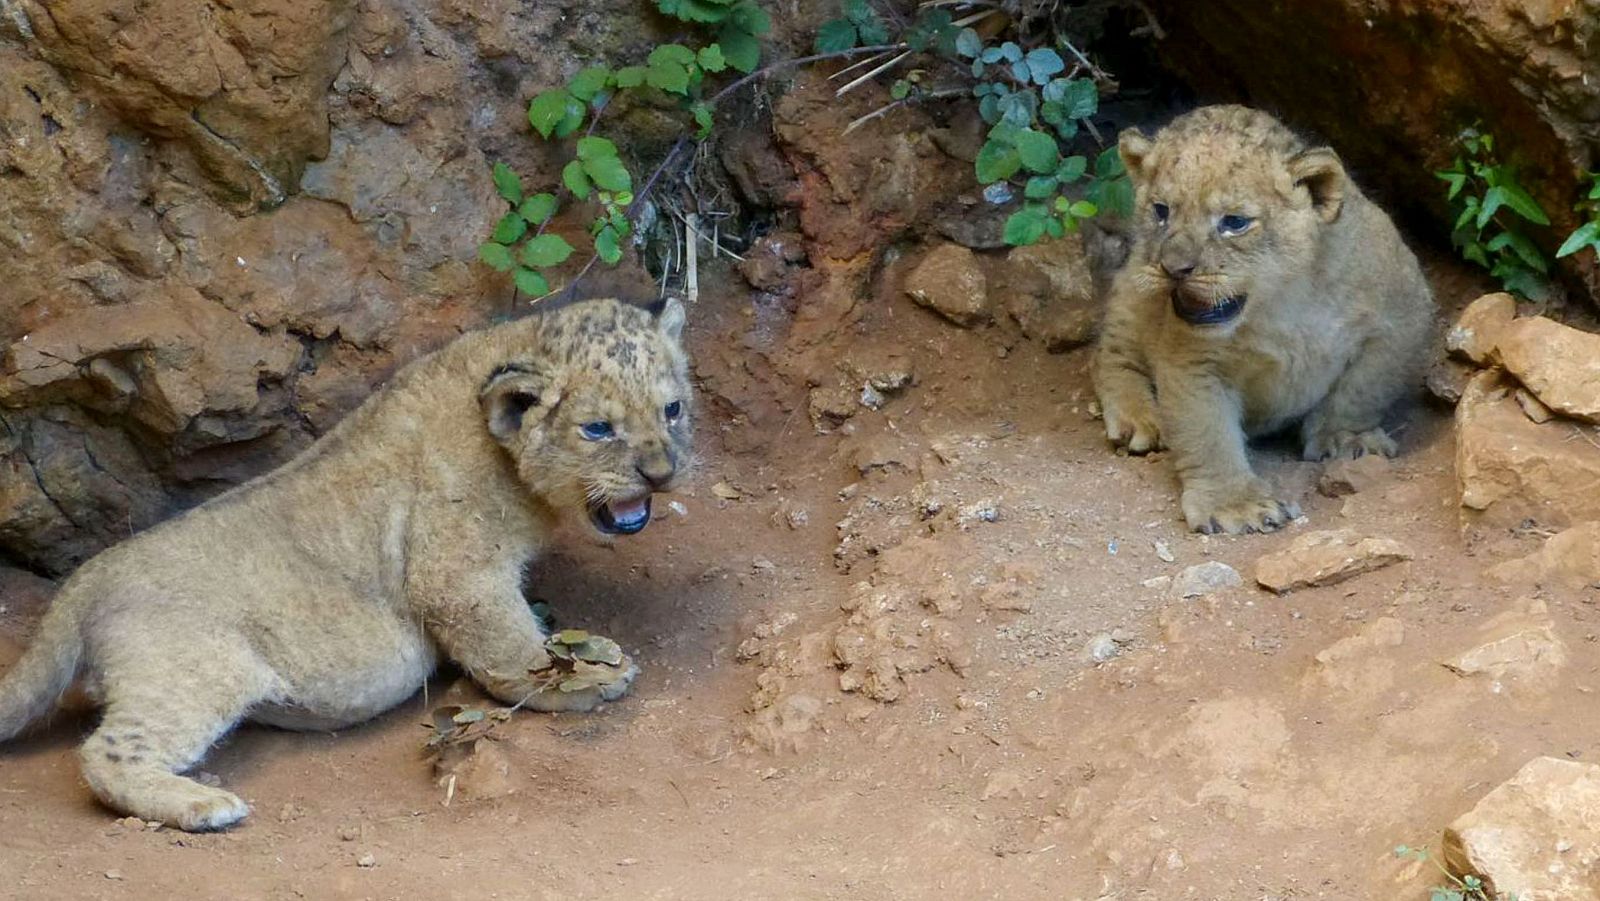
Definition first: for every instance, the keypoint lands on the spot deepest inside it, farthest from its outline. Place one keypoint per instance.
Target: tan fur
(1332, 332)
(324, 593)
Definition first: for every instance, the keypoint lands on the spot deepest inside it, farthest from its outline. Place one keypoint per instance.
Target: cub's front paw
(1248, 508)
(585, 670)
(1133, 426)
(1335, 444)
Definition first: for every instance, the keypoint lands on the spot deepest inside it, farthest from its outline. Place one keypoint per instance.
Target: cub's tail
(30, 688)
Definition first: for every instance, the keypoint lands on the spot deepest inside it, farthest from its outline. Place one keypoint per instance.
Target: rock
(1102, 647)
(1323, 558)
(1510, 470)
(1519, 645)
(1558, 363)
(1345, 477)
(1477, 331)
(1532, 407)
(949, 281)
(476, 771)
(1049, 291)
(1355, 663)
(1534, 837)
(1446, 379)
(1525, 71)
(1206, 578)
(830, 407)
(1570, 558)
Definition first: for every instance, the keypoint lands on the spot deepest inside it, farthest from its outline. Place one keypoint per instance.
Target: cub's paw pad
(1252, 511)
(1346, 445)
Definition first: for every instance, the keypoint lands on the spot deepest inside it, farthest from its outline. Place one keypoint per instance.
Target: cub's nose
(657, 469)
(1179, 271)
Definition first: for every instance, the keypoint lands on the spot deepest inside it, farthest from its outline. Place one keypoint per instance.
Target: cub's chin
(1205, 311)
(621, 516)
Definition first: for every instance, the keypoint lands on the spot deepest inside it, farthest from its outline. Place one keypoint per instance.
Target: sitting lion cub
(1262, 289)
(323, 593)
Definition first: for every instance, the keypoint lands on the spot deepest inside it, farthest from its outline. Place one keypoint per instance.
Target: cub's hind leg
(163, 711)
(1348, 422)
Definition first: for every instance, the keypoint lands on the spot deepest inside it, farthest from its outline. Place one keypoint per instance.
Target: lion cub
(323, 593)
(1262, 289)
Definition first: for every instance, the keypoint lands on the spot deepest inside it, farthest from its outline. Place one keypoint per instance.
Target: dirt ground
(965, 551)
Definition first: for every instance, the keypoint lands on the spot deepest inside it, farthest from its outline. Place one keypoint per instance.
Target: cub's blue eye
(596, 431)
(1234, 225)
(674, 410)
(1161, 213)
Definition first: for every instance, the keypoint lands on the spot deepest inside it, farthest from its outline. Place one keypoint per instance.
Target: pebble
(367, 861)
(1206, 578)
(1103, 647)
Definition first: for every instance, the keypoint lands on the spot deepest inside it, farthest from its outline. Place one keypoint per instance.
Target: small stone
(949, 281)
(349, 832)
(367, 861)
(1446, 379)
(1345, 477)
(1102, 647)
(1513, 838)
(1323, 558)
(1477, 331)
(1533, 407)
(1206, 578)
(114, 874)
(1570, 558)
(1163, 553)
(1519, 645)
(982, 511)
(1157, 583)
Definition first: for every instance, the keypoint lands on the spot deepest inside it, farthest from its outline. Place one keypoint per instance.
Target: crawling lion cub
(1262, 289)
(323, 593)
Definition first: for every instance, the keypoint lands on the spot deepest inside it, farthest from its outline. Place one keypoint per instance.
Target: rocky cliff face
(221, 224)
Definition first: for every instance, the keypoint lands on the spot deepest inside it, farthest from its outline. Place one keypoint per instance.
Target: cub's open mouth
(1201, 312)
(621, 516)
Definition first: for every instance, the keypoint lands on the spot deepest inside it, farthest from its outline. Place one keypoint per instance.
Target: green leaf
(1473, 252)
(545, 251)
(631, 76)
(1493, 199)
(1586, 234)
(1040, 187)
(996, 162)
(1072, 168)
(1082, 98)
(1523, 204)
(834, 36)
(670, 53)
(1457, 181)
(900, 89)
(740, 47)
(1019, 71)
(1469, 209)
(873, 31)
(1043, 63)
(989, 109)
(752, 20)
(710, 58)
(498, 256)
(702, 118)
(530, 283)
(588, 82)
(593, 148)
(608, 246)
(1010, 52)
(1109, 163)
(510, 227)
(538, 208)
(1083, 209)
(670, 77)
(968, 44)
(1037, 150)
(608, 172)
(1025, 226)
(1053, 227)
(1524, 282)
(694, 10)
(507, 183)
(576, 180)
(547, 110)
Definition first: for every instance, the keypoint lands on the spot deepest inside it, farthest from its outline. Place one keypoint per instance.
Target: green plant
(596, 173)
(1458, 888)
(1034, 106)
(1588, 233)
(1491, 208)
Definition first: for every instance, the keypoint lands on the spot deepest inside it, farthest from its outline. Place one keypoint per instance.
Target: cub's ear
(1319, 171)
(1133, 147)
(670, 319)
(512, 393)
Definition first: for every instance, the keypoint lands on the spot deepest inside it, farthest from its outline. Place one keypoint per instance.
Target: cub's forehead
(613, 342)
(1212, 168)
